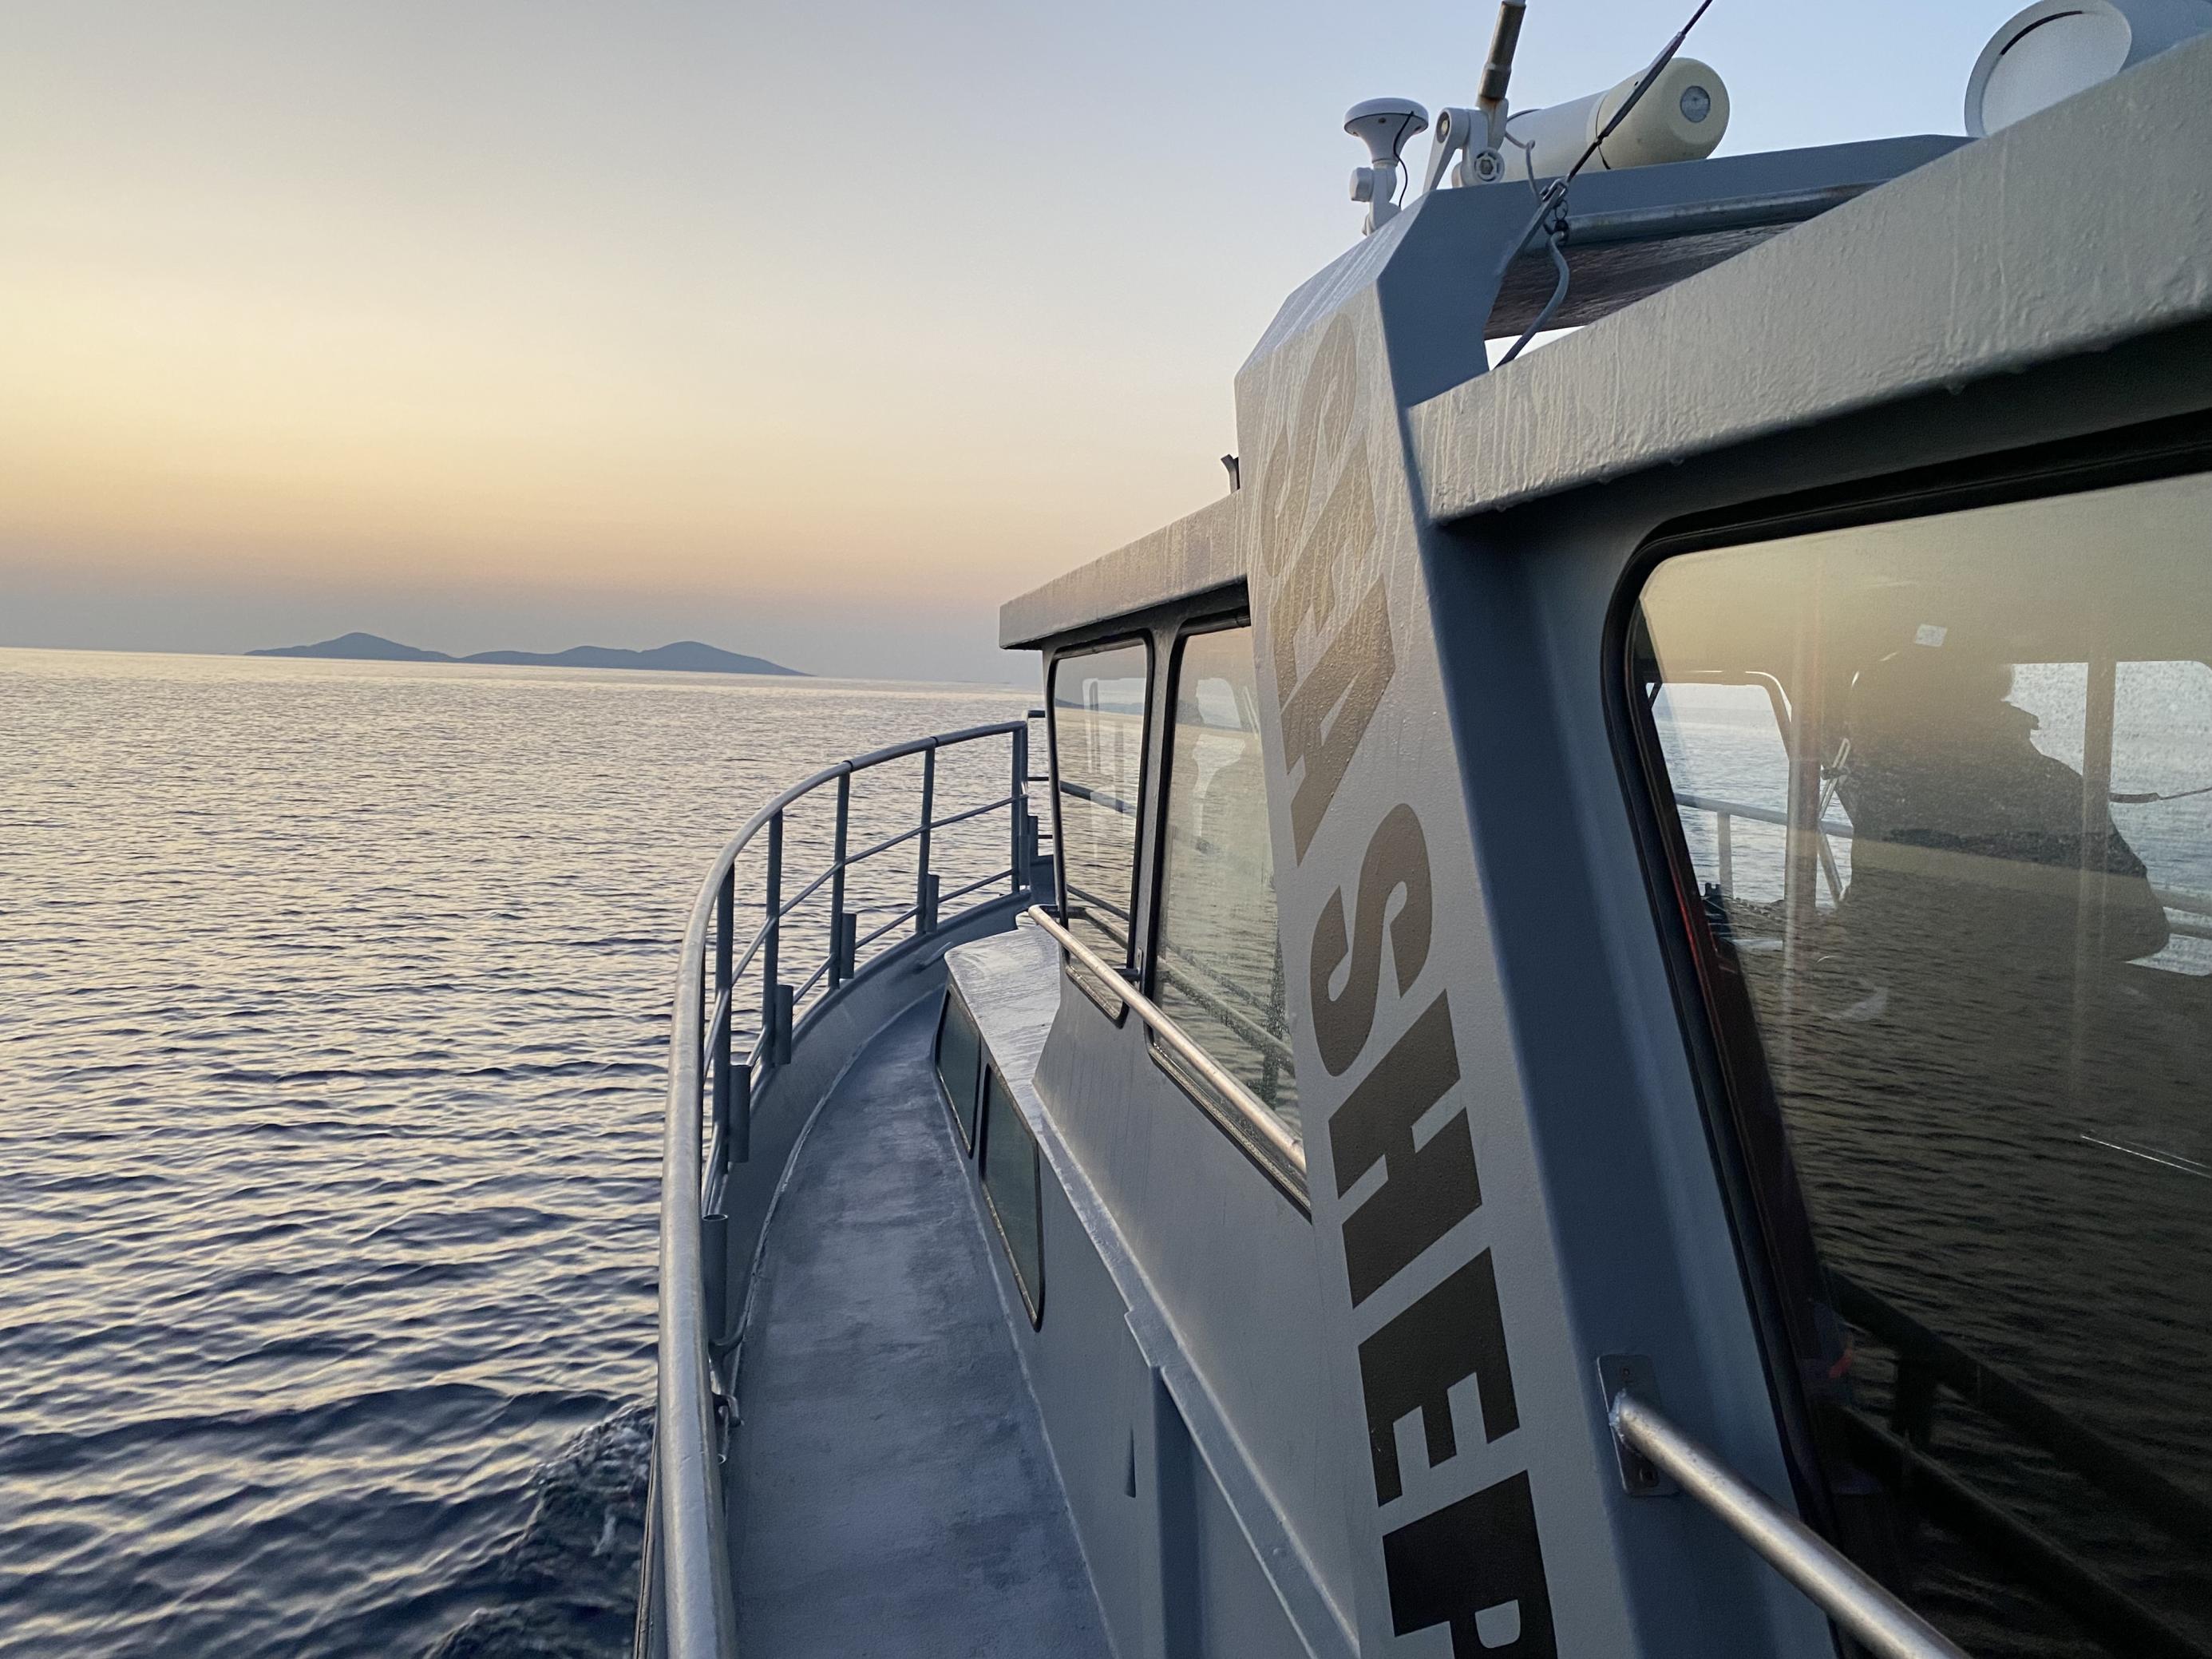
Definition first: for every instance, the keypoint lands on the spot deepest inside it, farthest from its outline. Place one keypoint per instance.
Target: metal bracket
(726, 1418)
(1631, 1373)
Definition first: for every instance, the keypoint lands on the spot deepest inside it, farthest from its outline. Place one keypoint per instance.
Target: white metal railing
(686, 1602)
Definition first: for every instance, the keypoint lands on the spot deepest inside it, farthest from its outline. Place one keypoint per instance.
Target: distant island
(686, 656)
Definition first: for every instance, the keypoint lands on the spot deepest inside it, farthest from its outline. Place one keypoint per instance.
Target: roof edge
(1955, 272)
(1201, 550)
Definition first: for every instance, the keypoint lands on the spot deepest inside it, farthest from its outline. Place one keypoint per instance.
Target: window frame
(986, 1122)
(1284, 1179)
(1102, 996)
(1761, 1193)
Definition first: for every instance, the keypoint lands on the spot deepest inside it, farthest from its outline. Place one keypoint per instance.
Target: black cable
(1405, 171)
(1635, 96)
(1551, 306)
(1550, 215)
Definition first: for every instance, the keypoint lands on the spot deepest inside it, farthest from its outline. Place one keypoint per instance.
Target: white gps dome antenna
(2057, 48)
(1383, 124)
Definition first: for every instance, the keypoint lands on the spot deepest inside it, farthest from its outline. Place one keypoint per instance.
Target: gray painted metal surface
(1209, 1562)
(1444, 1293)
(1460, 1295)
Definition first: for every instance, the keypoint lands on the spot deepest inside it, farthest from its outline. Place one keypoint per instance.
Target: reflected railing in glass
(1939, 796)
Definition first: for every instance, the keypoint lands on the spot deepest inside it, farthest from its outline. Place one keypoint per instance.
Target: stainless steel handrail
(687, 1605)
(1835, 1584)
(1261, 1121)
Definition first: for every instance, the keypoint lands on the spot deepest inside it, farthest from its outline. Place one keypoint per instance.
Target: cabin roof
(1186, 558)
(1967, 267)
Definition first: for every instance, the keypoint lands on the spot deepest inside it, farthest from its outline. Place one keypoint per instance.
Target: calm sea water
(333, 1004)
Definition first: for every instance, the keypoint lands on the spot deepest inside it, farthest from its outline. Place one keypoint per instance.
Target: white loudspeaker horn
(1682, 118)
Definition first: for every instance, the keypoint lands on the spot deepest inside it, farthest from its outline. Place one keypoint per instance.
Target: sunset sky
(810, 330)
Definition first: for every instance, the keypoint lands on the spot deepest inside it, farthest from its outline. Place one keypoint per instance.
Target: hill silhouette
(683, 656)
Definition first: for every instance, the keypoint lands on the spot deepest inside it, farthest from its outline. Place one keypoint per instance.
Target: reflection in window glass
(2161, 715)
(1944, 788)
(1098, 740)
(959, 1059)
(1730, 768)
(1220, 968)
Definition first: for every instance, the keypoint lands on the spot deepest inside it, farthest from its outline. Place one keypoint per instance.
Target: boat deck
(895, 1489)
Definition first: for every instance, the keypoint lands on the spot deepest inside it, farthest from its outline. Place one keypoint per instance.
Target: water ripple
(332, 1007)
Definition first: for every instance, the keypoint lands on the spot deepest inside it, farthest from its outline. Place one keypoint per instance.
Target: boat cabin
(1613, 1052)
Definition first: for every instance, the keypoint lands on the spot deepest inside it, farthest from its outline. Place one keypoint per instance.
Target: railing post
(847, 944)
(783, 1002)
(726, 924)
(740, 1135)
(773, 935)
(838, 970)
(1017, 809)
(925, 908)
(931, 884)
(1723, 825)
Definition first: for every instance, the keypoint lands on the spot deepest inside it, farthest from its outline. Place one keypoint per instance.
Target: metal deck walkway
(895, 1494)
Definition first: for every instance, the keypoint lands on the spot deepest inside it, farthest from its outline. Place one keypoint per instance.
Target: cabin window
(1218, 966)
(1098, 704)
(1012, 1188)
(1940, 798)
(959, 1061)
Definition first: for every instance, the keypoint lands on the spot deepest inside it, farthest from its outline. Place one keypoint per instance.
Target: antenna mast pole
(1499, 71)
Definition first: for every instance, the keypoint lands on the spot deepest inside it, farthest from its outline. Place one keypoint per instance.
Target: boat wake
(566, 1588)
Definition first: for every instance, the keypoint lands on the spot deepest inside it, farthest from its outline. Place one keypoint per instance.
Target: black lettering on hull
(1413, 1363)
(1427, 1190)
(1397, 857)
(1328, 714)
(1477, 1566)
(1305, 592)
(1325, 408)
